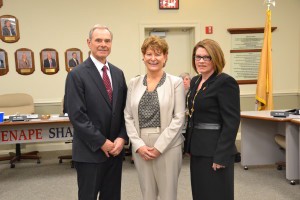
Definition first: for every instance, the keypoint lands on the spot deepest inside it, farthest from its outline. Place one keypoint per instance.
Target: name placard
(17, 118)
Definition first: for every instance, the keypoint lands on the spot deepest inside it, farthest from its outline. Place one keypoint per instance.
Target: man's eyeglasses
(205, 58)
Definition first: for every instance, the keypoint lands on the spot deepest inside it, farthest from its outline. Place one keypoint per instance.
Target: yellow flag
(264, 88)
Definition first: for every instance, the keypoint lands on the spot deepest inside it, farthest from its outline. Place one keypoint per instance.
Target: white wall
(65, 24)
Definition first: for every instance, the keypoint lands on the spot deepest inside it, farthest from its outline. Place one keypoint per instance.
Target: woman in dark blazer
(214, 116)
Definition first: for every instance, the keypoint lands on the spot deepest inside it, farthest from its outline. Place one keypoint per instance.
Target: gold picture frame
(9, 29)
(4, 67)
(73, 57)
(24, 59)
(49, 61)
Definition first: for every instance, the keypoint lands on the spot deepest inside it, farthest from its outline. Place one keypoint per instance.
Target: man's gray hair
(98, 26)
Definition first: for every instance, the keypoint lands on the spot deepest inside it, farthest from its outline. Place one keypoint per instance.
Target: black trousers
(208, 184)
(105, 178)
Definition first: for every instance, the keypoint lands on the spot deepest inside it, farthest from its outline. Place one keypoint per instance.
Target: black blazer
(93, 117)
(218, 101)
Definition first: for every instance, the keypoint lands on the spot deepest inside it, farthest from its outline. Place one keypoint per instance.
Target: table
(258, 129)
(35, 130)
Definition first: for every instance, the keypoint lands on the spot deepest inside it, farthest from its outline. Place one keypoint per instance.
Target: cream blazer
(172, 112)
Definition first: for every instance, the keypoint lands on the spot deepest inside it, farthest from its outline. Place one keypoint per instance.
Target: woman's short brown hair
(156, 44)
(215, 52)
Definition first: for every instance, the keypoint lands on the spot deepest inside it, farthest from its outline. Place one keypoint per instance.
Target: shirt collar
(98, 64)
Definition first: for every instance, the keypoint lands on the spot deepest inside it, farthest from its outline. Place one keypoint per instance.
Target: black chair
(280, 140)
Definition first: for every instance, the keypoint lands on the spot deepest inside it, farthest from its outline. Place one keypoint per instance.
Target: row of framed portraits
(49, 60)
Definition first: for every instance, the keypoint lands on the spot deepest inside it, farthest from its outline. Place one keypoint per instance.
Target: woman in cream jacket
(154, 116)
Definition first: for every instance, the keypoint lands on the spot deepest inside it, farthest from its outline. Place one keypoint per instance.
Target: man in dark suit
(73, 62)
(95, 107)
(1, 64)
(49, 61)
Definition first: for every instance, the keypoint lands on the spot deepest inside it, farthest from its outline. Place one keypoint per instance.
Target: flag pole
(264, 91)
(269, 3)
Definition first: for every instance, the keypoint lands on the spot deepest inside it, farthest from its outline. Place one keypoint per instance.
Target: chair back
(15, 103)
(280, 140)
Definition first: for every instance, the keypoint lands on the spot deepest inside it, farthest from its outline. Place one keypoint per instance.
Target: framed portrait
(168, 4)
(9, 29)
(3, 62)
(49, 61)
(1, 3)
(73, 57)
(24, 61)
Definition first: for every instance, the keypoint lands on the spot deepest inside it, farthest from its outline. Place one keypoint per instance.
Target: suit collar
(114, 78)
(210, 80)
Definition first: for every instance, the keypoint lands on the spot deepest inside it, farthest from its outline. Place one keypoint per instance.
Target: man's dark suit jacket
(72, 62)
(5, 31)
(1, 64)
(93, 117)
(47, 63)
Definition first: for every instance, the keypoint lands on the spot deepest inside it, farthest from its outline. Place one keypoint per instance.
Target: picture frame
(9, 29)
(73, 57)
(4, 67)
(24, 59)
(168, 4)
(49, 61)
(1, 3)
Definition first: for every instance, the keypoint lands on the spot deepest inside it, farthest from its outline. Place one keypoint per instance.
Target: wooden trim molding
(245, 50)
(248, 30)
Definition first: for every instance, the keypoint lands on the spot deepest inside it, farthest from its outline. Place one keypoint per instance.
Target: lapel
(140, 89)
(210, 80)
(96, 77)
(115, 85)
(137, 92)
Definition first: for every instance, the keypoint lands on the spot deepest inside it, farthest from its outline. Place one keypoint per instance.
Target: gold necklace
(187, 104)
(190, 113)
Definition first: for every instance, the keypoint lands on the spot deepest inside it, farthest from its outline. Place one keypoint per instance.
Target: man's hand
(118, 146)
(145, 153)
(107, 147)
